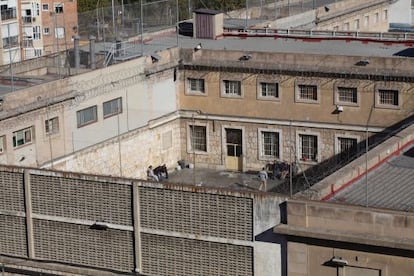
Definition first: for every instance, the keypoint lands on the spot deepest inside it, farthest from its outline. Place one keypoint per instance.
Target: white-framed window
(38, 52)
(346, 95)
(112, 107)
(58, 7)
(197, 137)
(308, 147)
(385, 15)
(232, 88)
(308, 93)
(376, 18)
(2, 144)
(269, 144)
(59, 32)
(346, 26)
(45, 7)
(356, 24)
(196, 85)
(46, 31)
(366, 21)
(52, 126)
(388, 98)
(268, 90)
(36, 33)
(87, 116)
(346, 147)
(23, 136)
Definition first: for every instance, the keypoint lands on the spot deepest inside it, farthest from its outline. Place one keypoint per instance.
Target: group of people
(280, 170)
(158, 173)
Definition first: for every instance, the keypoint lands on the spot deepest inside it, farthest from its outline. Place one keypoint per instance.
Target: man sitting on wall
(151, 175)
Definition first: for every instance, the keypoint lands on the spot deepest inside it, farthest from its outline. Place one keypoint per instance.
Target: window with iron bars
(269, 89)
(308, 92)
(196, 85)
(198, 138)
(388, 97)
(232, 88)
(347, 148)
(270, 144)
(308, 147)
(347, 94)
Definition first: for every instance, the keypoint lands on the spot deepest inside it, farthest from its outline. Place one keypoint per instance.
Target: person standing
(263, 179)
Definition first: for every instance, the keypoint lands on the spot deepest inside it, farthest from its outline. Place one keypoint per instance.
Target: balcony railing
(28, 19)
(9, 42)
(8, 14)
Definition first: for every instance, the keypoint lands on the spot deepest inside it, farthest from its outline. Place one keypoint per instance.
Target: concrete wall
(152, 228)
(371, 241)
(400, 12)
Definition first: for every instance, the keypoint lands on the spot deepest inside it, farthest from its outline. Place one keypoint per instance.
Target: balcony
(28, 19)
(7, 14)
(10, 42)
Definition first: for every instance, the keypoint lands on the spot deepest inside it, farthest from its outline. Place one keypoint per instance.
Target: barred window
(196, 85)
(112, 107)
(198, 138)
(232, 88)
(270, 144)
(308, 147)
(347, 94)
(308, 92)
(22, 137)
(388, 97)
(2, 144)
(347, 147)
(52, 126)
(269, 89)
(87, 116)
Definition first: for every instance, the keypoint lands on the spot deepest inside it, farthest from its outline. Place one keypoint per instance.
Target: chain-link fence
(120, 22)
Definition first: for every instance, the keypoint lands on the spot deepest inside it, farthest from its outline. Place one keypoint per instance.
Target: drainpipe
(76, 50)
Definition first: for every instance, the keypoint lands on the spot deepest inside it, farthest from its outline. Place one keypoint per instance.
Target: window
(336, 28)
(112, 107)
(387, 97)
(366, 21)
(198, 138)
(308, 147)
(385, 15)
(376, 18)
(347, 95)
(58, 8)
(356, 24)
(38, 52)
(196, 85)
(52, 126)
(346, 148)
(46, 31)
(59, 32)
(2, 144)
(346, 26)
(22, 137)
(269, 144)
(307, 93)
(45, 7)
(268, 89)
(36, 32)
(86, 116)
(232, 88)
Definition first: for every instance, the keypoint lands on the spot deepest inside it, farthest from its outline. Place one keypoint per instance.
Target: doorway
(234, 159)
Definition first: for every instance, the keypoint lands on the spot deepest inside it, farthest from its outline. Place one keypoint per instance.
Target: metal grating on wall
(82, 199)
(13, 236)
(163, 255)
(12, 191)
(197, 213)
(80, 245)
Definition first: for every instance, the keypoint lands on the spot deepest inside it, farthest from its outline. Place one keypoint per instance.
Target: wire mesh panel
(12, 193)
(80, 245)
(197, 213)
(163, 255)
(82, 199)
(13, 236)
